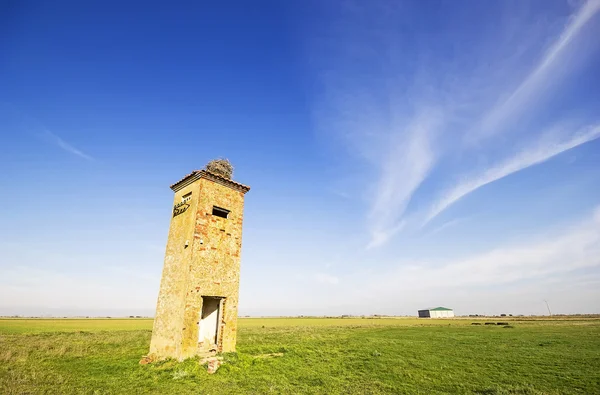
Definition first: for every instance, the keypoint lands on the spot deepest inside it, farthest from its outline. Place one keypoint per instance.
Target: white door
(209, 321)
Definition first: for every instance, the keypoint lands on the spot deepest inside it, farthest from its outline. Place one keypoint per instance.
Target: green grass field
(304, 355)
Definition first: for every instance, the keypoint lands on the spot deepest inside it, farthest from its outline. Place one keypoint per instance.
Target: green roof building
(436, 312)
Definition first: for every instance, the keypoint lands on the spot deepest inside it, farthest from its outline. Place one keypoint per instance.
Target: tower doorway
(210, 317)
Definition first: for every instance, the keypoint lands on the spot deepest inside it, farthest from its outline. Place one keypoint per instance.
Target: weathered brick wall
(209, 266)
(216, 262)
(166, 333)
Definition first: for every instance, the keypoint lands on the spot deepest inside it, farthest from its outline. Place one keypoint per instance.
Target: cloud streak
(520, 161)
(34, 127)
(538, 80)
(408, 163)
(54, 139)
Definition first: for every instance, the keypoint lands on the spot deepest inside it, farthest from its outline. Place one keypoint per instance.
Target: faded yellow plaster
(208, 266)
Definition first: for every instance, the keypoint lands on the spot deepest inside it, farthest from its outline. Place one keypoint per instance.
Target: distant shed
(436, 312)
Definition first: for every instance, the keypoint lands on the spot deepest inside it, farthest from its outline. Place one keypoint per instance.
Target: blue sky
(401, 154)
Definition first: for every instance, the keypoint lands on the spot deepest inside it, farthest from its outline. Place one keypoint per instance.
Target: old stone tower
(197, 304)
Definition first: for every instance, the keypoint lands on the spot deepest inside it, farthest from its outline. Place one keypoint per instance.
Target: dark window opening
(220, 212)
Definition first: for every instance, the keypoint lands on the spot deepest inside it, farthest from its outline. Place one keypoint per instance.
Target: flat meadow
(310, 356)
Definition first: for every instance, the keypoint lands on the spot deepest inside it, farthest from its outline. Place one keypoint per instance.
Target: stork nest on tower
(222, 167)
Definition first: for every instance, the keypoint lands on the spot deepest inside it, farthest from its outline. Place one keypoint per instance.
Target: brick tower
(197, 304)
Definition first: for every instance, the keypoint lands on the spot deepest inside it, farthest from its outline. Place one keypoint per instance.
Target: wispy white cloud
(34, 127)
(560, 265)
(545, 73)
(53, 138)
(446, 225)
(573, 248)
(408, 162)
(406, 128)
(535, 155)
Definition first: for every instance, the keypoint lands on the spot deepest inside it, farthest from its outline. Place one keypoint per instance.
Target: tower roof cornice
(198, 174)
